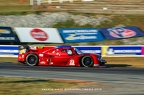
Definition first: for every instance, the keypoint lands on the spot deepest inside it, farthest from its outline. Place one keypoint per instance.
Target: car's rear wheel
(87, 61)
(31, 60)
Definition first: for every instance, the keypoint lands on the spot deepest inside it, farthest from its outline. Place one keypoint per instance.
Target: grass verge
(8, 59)
(137, 62)
(32, 86)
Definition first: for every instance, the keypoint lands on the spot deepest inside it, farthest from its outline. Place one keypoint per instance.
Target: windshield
(78, 51)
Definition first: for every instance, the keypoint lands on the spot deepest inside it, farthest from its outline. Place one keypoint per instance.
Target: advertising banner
(122, 51)
(7, 35)
(121, 32)
(71, 35)
(8, 51)
(89, 49)
(39, 35)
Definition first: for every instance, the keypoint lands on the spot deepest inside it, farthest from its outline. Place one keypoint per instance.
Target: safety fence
(105, 51)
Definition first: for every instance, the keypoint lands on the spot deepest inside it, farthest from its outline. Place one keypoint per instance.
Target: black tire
(32, 60)
(87, 61)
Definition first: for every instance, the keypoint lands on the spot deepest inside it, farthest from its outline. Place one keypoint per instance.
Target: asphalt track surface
(113, 80)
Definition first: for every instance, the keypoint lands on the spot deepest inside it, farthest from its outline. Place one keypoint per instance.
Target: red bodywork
(52, 56)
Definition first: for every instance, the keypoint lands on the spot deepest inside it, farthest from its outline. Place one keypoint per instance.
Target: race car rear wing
(33, 48)
(26, 48)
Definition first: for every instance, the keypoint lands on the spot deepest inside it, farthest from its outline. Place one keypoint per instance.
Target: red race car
(58, 56)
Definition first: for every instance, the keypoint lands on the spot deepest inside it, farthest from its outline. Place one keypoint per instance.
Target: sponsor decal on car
(42, 62)
(72, 63)
(51, 63)
(39, 34)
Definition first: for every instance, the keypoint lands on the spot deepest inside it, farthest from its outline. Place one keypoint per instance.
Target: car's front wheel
(31, 60)
(87, 61)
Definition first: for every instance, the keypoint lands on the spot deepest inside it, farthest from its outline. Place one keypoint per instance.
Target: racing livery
(58, 56)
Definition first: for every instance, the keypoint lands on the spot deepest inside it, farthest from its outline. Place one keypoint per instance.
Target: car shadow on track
(118, 65)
